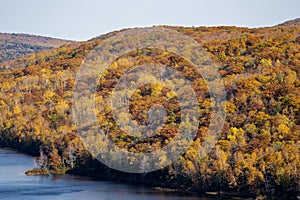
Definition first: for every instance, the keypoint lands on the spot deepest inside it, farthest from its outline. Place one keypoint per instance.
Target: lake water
(15, 185)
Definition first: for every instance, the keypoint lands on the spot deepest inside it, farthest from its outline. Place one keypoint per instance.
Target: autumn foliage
(257, 152)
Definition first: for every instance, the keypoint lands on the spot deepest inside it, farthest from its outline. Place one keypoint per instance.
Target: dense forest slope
(16, 45)
(294, 22)
(257, 153)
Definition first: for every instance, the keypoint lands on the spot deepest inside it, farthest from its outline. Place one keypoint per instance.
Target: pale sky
(84, 19)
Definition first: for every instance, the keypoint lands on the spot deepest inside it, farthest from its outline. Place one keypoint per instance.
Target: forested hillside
(257, 153)
(13, 46)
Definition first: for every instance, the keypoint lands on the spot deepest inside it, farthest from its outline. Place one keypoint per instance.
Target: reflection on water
(14, 184)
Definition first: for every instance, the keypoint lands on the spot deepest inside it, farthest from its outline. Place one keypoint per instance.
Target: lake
(14, 184)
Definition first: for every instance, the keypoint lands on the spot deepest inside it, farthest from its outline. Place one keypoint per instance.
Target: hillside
(257, 153)
(293, 22)
(13, 46)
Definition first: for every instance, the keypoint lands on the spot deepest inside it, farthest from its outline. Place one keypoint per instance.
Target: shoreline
(40, 172)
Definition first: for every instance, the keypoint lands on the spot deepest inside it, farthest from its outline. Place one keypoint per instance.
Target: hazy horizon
(77, 20)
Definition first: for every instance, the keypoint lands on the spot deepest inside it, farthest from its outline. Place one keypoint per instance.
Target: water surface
(15, 185)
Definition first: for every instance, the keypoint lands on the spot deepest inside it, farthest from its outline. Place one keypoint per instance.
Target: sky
(85, 19)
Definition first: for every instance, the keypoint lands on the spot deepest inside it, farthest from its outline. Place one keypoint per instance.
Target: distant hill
(15, 45)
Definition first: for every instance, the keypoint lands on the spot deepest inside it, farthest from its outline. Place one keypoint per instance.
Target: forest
(257, 152)
(13, 46)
